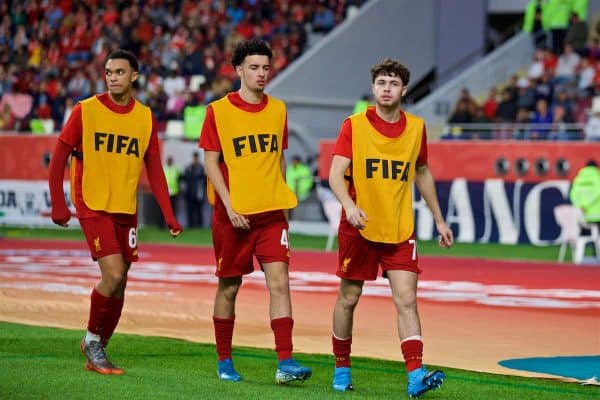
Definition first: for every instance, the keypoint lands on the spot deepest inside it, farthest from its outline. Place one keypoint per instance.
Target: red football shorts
(104, 237)
(234, 248)
(359, 258)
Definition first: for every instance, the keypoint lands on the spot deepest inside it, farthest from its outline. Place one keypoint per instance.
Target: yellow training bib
(113, 147)
(251, 144)
(383, 171)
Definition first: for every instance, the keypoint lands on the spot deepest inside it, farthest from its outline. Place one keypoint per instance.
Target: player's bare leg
(404, 292)
(223, 317)
(280, 311)
(112, 284)
(343, 321)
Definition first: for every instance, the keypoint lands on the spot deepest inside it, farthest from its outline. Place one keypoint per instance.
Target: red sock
(282, 328)
(100, 309)
(116, 306)
(341, 351)
(413, 354)
(223, 336)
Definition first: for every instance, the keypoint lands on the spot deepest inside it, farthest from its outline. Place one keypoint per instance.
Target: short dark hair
(121, 54)
(391, 67)
(250, 48)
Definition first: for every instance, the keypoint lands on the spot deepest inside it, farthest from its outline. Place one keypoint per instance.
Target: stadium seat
(195, 82)
(571, 221)
(174, 128)
(48, 126)
(333, 212)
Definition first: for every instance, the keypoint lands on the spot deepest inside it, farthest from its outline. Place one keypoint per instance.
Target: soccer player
(110, 137)
(243, 137)
(384, 149)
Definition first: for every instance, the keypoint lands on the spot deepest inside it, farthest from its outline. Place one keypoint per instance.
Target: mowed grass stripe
(45, 363)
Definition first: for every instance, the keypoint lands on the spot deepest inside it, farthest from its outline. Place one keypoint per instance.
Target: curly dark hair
(250, 48)
(389, 67)
(121, 54)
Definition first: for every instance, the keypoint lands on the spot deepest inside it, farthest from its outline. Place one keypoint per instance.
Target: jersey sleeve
(343, 145)
(422, 158)
(209, 136)
(72, 132)
(284, 141)
(153, 147)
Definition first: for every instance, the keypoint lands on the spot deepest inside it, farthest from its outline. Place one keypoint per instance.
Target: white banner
(27, 203)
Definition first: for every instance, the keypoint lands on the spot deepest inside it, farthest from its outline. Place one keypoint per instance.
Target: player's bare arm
(283, 167)
(355, 216)
(426, 185)
(211, 165)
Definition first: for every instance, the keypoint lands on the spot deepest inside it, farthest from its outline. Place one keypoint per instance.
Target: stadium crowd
(556, 98)
(52, 51)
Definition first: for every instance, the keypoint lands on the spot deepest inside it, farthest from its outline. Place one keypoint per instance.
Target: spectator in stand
(174, 83)
(536, 69)
(592, 127)
(461, 114)
(7, 118)
(585, 77)
(545, 87)
(577, 33)
(527, 95)
(491, 104)
(592, 50)
(564, 99)
(542, 118)
(507, 108)
(566, 68)
(560, 121)
(58, 36)
(323, 20)
(522, 121)
(550, 61)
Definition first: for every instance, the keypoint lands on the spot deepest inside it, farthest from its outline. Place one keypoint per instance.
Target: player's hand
(175, 228)
(61, 215)
(446, 236)
(237, 220)
(356, 217)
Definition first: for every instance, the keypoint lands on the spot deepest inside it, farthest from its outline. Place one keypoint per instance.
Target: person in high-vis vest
(173, 177)
(376, 158)
(585, 192)
(243, 136)
(109, 137)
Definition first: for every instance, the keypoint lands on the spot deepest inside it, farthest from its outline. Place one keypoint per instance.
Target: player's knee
(229, 288)
(350, 296)
(405, 302)
(115, 280)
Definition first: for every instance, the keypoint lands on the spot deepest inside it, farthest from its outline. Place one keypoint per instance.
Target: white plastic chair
(174, 128)
(195, 82)
(333, 212)
(571, 221)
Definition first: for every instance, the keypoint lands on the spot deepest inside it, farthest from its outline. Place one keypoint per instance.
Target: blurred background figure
(173, 177)
(361, 104)
(585, 192)
(299, 178)
(536, 22)
(194, 180)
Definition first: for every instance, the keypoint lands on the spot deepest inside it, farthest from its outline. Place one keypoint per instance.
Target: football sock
(223, 336)
(100, 309)
(412, 349)
(282, 329)
(341, 351)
